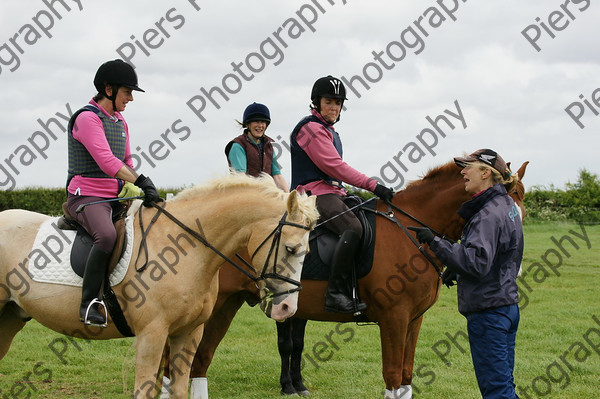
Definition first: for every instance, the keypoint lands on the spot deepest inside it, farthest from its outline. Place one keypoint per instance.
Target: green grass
(550, 342)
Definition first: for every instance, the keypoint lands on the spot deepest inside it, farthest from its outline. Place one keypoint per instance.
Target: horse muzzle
(280, 307)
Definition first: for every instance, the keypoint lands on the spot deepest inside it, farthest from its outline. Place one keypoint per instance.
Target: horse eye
(290, 250)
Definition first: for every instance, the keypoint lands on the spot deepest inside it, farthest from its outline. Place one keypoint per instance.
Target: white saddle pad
(49, 259)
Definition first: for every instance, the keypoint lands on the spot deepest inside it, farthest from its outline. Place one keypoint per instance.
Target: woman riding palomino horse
(397, 309)
(100, 167)
(318, 169)
(183, 251)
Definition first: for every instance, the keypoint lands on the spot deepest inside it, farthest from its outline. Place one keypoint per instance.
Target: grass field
(557, 356)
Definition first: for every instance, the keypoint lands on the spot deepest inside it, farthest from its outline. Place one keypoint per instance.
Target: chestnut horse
(400, 287)
(275, 231)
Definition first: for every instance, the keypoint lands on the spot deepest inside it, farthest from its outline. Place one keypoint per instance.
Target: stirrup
(87, 311)
(359, 307)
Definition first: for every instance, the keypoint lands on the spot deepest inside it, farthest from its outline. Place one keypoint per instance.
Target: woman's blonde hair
(509, 182)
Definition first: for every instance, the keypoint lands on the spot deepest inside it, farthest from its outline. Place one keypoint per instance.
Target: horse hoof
(289, 391)
(300, 388)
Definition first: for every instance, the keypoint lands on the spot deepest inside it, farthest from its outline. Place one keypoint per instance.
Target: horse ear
(292, 205)
(521, 170)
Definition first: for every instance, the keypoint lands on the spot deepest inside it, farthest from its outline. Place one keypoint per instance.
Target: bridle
(276, 235)
(264, 274)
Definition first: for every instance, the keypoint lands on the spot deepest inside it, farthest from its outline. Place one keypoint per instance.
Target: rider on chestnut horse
(318, 169)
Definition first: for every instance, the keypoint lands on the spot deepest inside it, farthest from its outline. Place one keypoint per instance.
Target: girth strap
(116, 313)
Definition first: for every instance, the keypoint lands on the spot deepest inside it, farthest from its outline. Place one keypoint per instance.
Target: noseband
(276, 239)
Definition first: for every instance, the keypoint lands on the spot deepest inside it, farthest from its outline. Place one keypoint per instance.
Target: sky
(425, 80)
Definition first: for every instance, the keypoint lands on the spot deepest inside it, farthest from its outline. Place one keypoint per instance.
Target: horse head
(518, 193)
(282, 254)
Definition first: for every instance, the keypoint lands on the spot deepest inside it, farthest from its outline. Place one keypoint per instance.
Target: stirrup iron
(87, 311)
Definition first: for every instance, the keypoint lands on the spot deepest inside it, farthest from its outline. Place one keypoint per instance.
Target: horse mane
(442, 172)
(448, 170)
(264, 184)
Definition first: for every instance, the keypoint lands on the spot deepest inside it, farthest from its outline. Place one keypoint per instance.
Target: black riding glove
(383, 192)
(448, 277)
(150, 191)
(424, 235)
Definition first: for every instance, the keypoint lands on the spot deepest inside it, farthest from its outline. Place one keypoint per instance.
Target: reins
(276, 234)
(391, 217)
(346, 211)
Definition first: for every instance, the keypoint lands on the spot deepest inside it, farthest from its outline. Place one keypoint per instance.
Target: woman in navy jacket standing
(485, 265)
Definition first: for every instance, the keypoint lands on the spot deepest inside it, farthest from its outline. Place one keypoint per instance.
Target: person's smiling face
(124, 95)
(257, 128)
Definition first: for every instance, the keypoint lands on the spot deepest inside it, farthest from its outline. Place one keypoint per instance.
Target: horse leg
(298, 328)
(10, 324)
(409, 353)
(214, 331)
(182, 350)
(165, 392)
(393, 330)
(149, 350)
(284, 345)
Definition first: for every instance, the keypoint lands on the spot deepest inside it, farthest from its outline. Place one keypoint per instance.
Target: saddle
(84, 241)
(82, 246)
(322, 242)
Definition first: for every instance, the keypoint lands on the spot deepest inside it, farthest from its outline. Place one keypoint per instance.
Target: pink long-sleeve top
(90, 133)
(317, 142)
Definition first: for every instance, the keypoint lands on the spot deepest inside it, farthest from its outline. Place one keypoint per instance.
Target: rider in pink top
(318, 169)
(100, 167)
(90, 133)
(317, 142)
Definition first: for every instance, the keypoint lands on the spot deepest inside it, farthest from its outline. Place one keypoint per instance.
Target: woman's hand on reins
(383, 192)
(424, 234)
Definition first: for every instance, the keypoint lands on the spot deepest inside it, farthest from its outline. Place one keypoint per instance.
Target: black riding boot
(95, 271)
(338, 297)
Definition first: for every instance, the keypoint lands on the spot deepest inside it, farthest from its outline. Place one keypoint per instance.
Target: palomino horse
(398, 290)
(234, 213)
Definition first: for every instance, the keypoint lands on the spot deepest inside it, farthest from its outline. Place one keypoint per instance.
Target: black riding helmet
(115, 73)
(329, 87)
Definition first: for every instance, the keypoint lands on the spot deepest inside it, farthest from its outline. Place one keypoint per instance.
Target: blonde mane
(264, 185)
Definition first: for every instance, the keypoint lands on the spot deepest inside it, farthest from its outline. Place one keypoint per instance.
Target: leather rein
(391, 217)
(275, 235)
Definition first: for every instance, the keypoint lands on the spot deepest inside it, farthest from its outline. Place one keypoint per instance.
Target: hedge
(44, 200)
(579, 202)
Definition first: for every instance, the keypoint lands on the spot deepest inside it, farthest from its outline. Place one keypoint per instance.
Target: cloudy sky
(501, 73)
